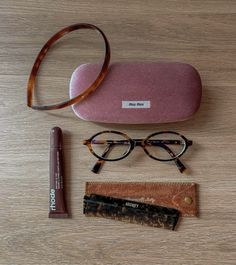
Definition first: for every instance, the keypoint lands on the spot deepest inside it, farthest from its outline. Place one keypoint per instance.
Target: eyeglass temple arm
(151, 142)
(164, 142)
(180, 165)
(177, 161)
(98, 166)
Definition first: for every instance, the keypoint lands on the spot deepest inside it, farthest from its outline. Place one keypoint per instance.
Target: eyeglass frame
(138, 142)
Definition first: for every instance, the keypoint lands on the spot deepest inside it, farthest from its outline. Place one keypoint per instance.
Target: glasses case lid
(138, 93)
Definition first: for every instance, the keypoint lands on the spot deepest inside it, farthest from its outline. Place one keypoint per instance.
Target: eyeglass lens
(165, 146)
(110, 145)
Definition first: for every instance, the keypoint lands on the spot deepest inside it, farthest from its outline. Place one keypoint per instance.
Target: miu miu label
(133, 104)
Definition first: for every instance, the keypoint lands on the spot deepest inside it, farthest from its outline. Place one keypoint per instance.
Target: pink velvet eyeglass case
(138, 93)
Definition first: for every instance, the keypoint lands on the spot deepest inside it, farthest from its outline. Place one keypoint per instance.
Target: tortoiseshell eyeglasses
(114, 146)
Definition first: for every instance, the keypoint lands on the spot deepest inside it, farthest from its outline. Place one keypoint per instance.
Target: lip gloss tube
(57, 203)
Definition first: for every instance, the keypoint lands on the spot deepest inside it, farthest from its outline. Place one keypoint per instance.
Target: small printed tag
(132, 104)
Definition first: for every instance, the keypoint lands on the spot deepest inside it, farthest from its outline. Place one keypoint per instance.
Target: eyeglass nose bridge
(138, 142)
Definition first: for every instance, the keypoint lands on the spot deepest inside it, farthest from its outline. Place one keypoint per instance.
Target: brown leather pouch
(181, 196)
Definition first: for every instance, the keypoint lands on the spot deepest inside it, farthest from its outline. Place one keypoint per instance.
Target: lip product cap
(56, 138)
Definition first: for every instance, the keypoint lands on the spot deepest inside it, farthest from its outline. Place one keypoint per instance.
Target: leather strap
(43, 52)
